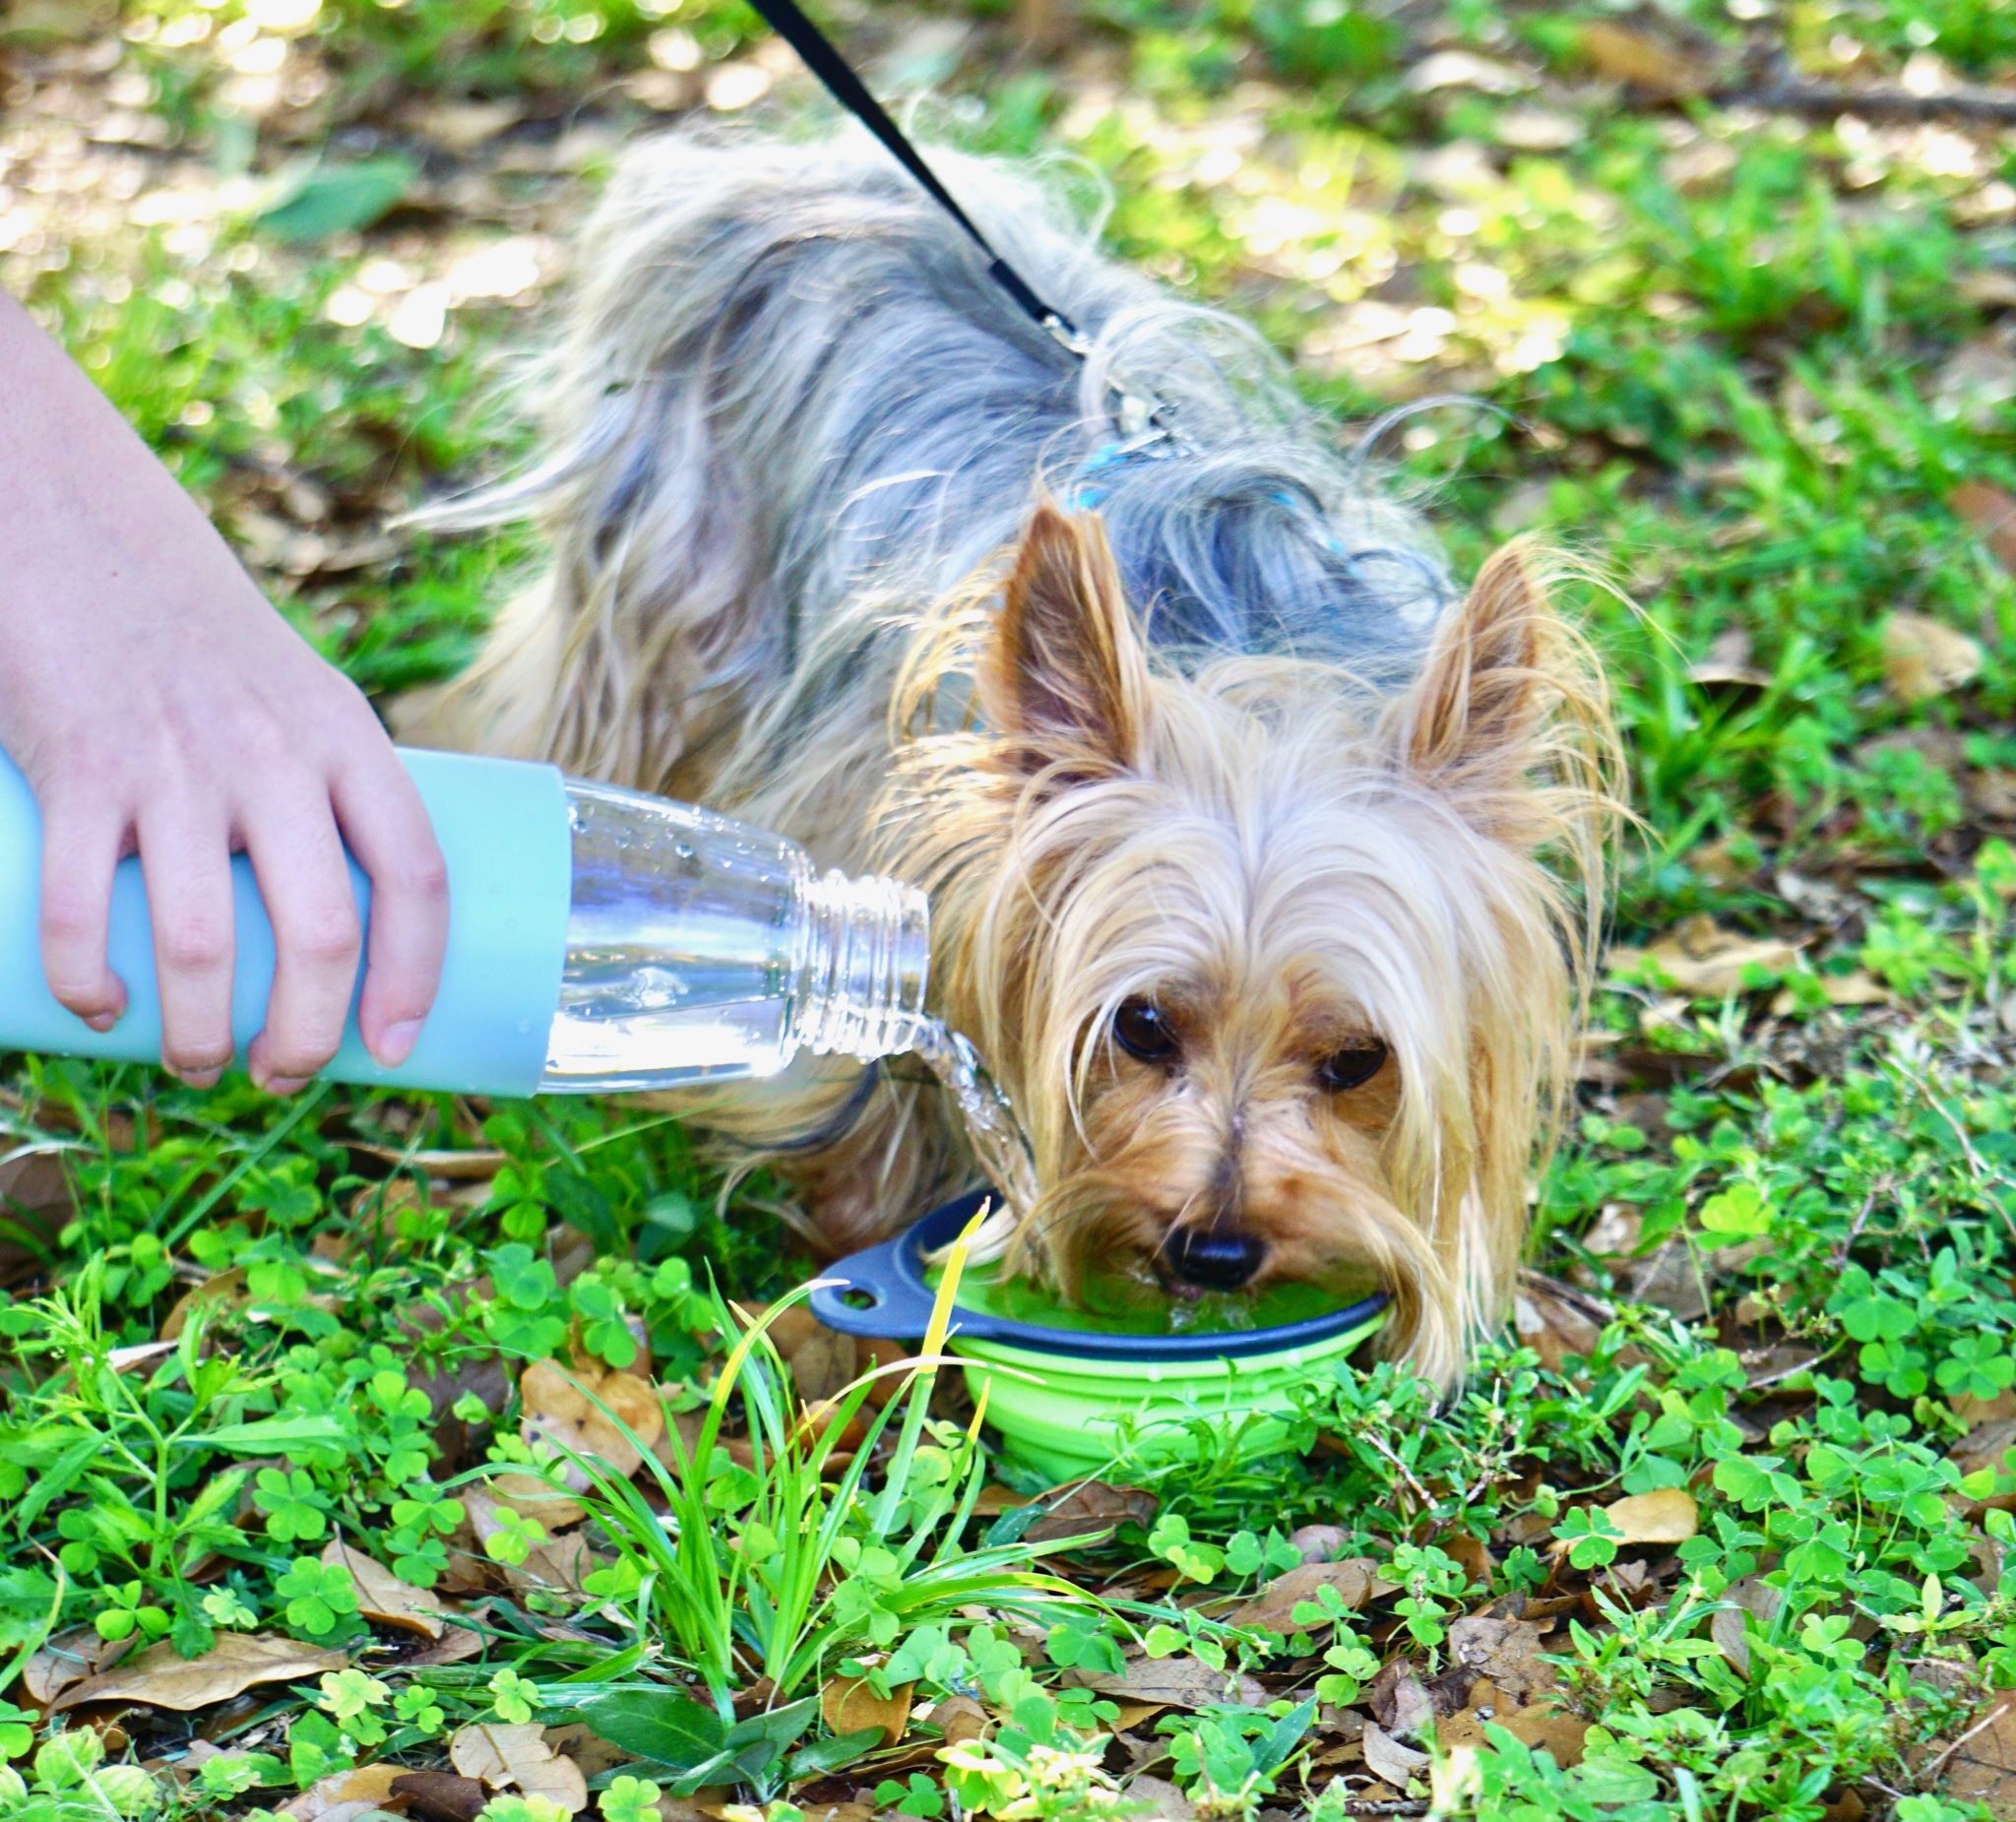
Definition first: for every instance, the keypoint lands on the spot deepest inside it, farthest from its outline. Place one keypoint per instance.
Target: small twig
(1386, 1806)
(1985, 107)
(1881, 1186)
(1427, 1498)
(1931, 1771)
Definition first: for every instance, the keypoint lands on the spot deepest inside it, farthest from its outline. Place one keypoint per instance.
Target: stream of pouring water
(991, 1128)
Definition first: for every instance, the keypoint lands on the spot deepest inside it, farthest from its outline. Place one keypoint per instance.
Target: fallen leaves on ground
(1385, 1756)
(1180, 1681)
(1162, 1802)
(1273, 1608)
(383, 1596)
(340, 1792)
(1728, 660)
(440, 1796)
(1087, 1511)
(519, 1758)
(1667, 1515)
(1857, 988)
(69, 1657)
(161, 1678)
(1747, 1594)
(1982, 1766)
(1923, 657)
(1653, 64)
(1992, 511)
(611, 1416)
(1556, 1320)
(1705, 961)
(850, 1704)
(959, 1717)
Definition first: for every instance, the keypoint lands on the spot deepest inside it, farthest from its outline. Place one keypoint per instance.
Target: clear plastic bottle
(597, 940)
(700, 950)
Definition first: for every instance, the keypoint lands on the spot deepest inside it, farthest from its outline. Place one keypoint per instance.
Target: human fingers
(305, 884)
(185, 856)
(386, 825)
(80, 845)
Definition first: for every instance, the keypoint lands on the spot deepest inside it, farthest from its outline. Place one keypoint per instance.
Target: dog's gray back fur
(791, 410)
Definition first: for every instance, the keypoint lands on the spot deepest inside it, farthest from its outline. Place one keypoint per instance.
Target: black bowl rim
(894, 1276)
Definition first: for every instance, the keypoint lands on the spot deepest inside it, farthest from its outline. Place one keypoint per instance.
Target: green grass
(1728, 357)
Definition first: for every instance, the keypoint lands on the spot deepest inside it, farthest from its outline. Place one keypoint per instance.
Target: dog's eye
(1140, 1029)
(1352, 1067)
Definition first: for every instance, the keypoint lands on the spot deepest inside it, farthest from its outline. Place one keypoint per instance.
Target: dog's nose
(1214, 1261)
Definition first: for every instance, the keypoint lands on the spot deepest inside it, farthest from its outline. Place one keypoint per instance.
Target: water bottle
(599, 940)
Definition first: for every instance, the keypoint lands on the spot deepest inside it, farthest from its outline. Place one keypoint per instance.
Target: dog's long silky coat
(1199, 739)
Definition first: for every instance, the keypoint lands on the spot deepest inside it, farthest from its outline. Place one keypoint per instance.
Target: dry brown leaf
(1504, 1651)
(586, 1747)
(1860, 988)
(1469, 1554)
(1667, 1516)
(1982, 1768)
(1986, 1444)
(519, 1758)
(1165, 1803)
(558, 1566)
(1414, 1710)
(1992, 794)
(1175, 1682)
(161, 1678)
(522, 1494)
(1387, 1758)
(69, 1657)
(1318, 1543)
(959, 1717)
(1975, 381)
(1086, 1510)
(383, 1596)
(850, 1704)
(368, 1784)
(1923, 657)
(1990, 511)
(456, 1644)
(1645, 62)
(1702, 958)
(822, 1360)
(1728, 660)
(1750, 1595)
(1273, 1608)
(579, 1411)
(440, 1796)
(1726, 1630)
(1466, 1727)
(1550, 1728)
(217, 1296)
(1556, 1320)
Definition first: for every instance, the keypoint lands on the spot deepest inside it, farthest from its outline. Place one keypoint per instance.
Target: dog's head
(1281, 975)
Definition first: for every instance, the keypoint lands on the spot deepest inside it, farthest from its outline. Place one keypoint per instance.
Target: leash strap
(787, 18)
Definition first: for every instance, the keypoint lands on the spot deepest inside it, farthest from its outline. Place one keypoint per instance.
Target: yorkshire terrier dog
(1264, 870)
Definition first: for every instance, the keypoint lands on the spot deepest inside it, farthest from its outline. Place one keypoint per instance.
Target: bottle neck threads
(865, 966)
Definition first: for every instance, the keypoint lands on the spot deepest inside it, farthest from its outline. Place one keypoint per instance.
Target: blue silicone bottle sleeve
(504, 832)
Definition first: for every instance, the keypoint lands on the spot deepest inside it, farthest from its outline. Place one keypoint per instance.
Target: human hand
(158, 703)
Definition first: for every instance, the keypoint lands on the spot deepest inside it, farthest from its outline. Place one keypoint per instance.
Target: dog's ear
(1064, 674)
(1471, 718)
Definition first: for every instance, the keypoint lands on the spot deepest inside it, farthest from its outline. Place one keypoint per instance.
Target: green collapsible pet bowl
(1065, 1398)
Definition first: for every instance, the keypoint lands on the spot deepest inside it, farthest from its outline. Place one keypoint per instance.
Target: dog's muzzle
(1214, 1261)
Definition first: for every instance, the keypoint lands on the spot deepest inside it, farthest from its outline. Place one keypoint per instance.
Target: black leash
(790, 22)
